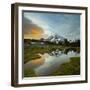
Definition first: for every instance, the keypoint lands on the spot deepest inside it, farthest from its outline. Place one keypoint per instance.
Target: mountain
(56, 38)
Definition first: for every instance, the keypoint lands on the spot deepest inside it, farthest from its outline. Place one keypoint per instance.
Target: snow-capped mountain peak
(56, 38)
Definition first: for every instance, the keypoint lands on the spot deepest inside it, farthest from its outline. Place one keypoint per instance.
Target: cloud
(31, 30)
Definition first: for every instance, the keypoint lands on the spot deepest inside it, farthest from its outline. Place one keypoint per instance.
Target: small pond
(50, 62)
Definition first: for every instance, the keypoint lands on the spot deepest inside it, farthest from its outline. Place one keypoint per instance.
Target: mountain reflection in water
(50, 62)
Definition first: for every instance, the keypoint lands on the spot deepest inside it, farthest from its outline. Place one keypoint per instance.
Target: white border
(52, 78)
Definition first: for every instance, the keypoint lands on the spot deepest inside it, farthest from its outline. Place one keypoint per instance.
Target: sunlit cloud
(31, 30)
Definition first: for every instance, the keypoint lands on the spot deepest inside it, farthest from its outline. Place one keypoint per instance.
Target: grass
(29, 73)
(69, 68)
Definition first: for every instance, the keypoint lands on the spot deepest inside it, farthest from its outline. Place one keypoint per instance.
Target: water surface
(49, 62)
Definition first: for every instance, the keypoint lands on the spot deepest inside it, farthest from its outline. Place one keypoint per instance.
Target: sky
(38, 25)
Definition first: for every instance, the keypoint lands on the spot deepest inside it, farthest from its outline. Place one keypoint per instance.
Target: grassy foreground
(29, 73)
(69, 68)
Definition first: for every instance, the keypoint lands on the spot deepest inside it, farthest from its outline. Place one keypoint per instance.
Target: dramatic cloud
(31, 30)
